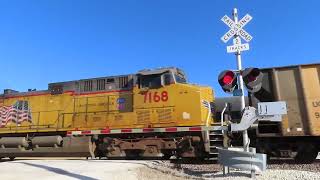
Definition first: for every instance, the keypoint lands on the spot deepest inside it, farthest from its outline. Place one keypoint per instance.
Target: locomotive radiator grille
(143, 117)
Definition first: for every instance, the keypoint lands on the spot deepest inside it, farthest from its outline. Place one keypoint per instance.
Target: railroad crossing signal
(252, 78)
(227, 80)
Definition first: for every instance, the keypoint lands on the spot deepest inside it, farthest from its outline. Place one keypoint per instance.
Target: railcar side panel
(299, 86)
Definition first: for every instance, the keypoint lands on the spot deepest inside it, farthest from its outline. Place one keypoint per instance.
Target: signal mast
(232, 81)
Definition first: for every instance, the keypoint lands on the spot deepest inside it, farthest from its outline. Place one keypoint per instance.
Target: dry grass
(146, 173)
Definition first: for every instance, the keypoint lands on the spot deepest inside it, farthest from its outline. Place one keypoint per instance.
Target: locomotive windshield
(151, 81)
(180, 76)
(180, 79)
(160, 77)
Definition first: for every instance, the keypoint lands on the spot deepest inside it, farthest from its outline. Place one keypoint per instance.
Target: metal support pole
(240, 83)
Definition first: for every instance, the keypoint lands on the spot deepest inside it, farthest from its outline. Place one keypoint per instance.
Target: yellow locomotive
(153, 113)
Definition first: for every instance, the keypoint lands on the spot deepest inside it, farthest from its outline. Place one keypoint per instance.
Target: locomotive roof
(158, 71)
(114, 82)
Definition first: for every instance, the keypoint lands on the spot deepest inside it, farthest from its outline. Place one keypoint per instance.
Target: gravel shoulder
(276, 170)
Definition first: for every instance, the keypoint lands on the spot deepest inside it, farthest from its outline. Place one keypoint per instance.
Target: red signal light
(252, 78)
(227, 80)
(254, 73)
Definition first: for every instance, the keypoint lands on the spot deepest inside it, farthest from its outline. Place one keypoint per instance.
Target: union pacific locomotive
(153, 113)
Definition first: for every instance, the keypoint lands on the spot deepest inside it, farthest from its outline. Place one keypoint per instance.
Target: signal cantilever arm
(267, 111)
(248, 118)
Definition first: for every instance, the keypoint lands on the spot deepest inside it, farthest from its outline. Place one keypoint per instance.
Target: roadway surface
(58, 169)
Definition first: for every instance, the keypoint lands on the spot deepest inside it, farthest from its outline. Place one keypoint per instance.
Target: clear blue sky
(59, 40)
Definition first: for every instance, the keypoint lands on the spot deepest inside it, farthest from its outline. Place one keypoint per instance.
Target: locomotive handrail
(222, 113)
(209, 114)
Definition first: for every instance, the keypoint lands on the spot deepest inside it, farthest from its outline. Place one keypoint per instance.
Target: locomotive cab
(167, 90)
(153, 79)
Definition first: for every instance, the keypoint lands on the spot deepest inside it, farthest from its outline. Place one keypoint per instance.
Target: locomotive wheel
(167, 155)
(307, 155)
(132, 154)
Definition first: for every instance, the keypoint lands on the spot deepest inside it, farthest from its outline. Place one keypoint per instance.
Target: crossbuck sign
(236, 31)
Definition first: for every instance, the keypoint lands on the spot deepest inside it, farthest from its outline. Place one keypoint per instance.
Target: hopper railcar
(298, 135)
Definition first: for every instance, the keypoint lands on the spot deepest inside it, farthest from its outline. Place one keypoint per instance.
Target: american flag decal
(16, 113)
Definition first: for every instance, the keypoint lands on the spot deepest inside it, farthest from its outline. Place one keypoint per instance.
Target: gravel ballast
(275, 170)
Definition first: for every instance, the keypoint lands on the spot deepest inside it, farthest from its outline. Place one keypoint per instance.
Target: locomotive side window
(168, 79)
(150, 81)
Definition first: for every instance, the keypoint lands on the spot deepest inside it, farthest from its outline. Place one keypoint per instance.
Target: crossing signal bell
(228, 81)
(252, 78)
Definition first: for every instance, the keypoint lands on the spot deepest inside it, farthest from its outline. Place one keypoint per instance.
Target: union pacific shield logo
(17, 113)
(121, 103)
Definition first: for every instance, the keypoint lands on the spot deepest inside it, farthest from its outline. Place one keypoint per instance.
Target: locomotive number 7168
(156, 97)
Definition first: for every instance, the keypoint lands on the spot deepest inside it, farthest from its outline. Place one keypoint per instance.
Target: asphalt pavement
(58, 169)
